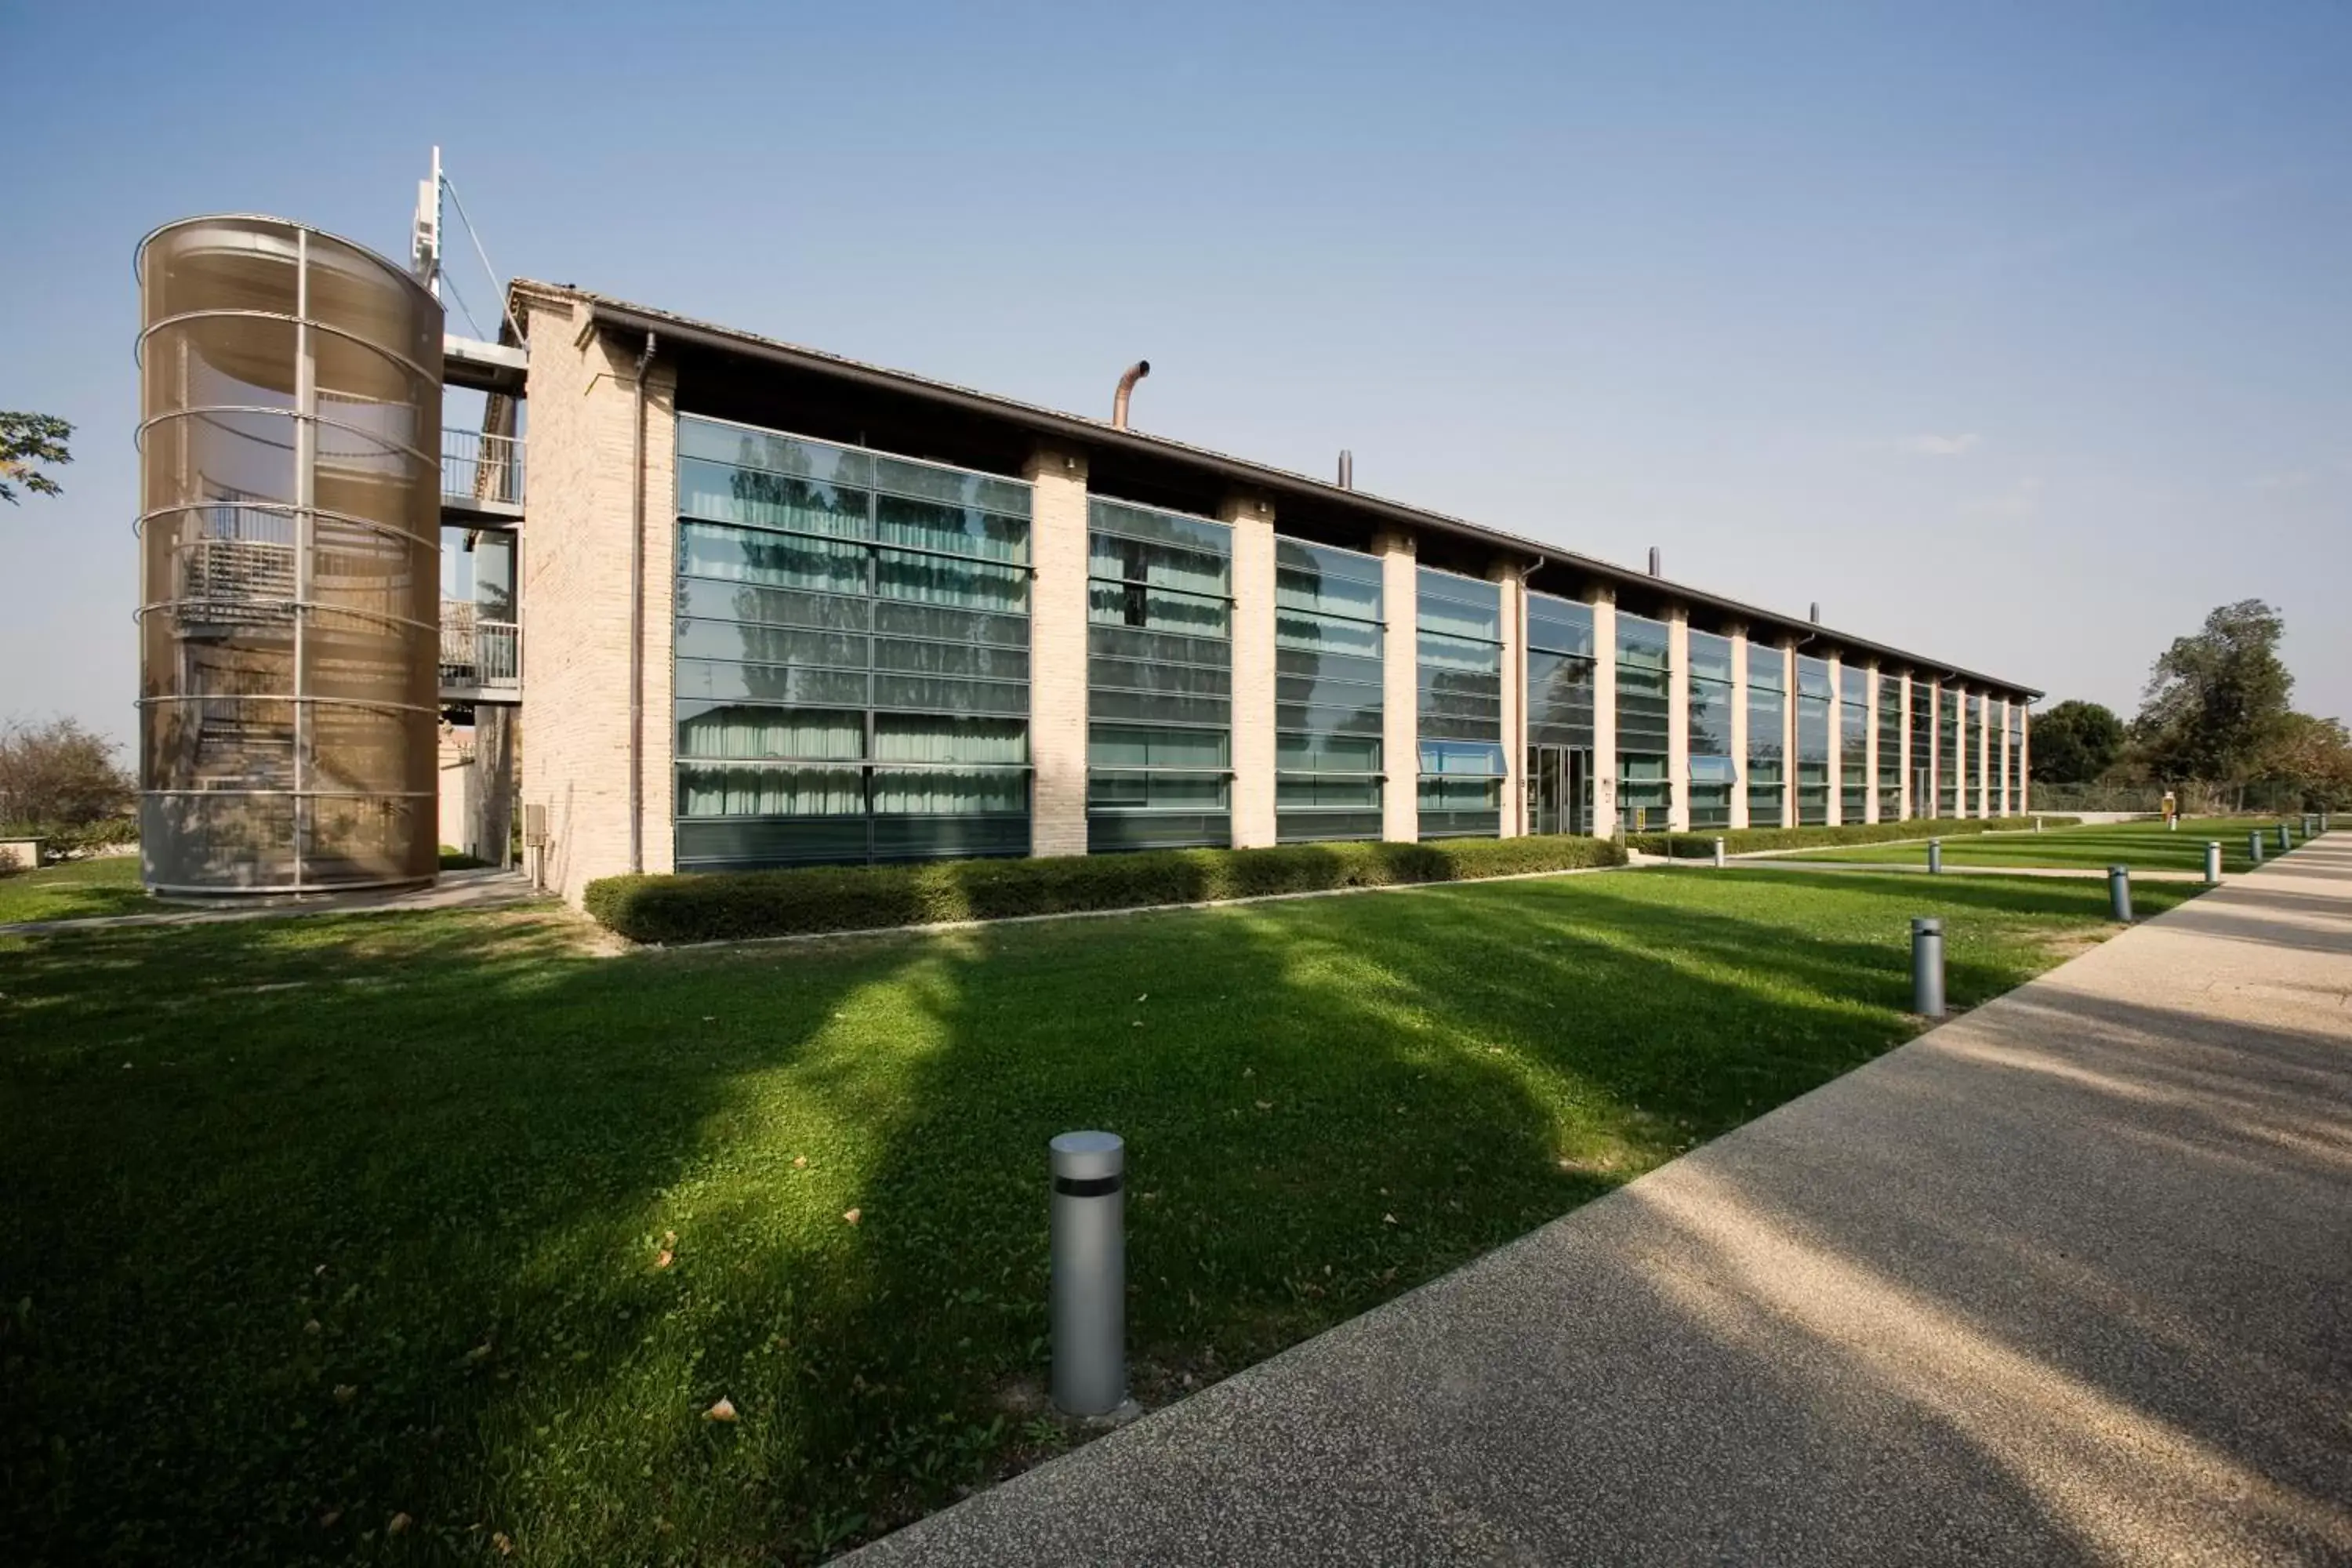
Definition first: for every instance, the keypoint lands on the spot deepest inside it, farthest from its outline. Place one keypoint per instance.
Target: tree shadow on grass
(387, 1232)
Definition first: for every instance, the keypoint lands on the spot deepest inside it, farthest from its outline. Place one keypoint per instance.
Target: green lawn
(109, 886)
(314, 1223)
(2142, 846)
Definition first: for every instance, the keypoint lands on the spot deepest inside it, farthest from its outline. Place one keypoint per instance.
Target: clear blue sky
(2016, 334)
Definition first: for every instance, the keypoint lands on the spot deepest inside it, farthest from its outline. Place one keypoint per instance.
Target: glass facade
(1854, 744)
(1713, 771)
(1947, 754)
(1645, 678)
(1814, 701)
(1159, 679)
(1328, 621)
(851, 655)
(1559, 656)
(1460, 721)
(1890, 747)
(1768, 731)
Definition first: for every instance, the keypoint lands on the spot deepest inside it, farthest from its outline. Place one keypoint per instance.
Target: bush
(732, 905)
(1699, 844)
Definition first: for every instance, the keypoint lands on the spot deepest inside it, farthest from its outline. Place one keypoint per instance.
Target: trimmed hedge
(1700, 844)
(725, 906)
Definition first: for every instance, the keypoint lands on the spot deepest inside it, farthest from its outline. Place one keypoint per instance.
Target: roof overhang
(1052, 425)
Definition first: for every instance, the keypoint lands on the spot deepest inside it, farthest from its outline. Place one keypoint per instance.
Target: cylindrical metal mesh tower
(290, 522)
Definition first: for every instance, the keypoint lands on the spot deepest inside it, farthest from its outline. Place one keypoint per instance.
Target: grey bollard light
(1928, 967)
(1719, 859)
(1089, 1288)
(2286, 839)
(1935, 856)
(2119, 893)
(2213, 862)
(2037, 825)
(2254, 845)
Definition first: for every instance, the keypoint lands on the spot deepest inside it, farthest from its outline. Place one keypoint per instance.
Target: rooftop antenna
(424, 236)
(425, 247)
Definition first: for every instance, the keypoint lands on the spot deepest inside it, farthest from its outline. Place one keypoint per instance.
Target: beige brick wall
(1910, 695)
(1605, 714)
(1739, 725)
(1870, 740)
(1678, 780)
(1057, 651)
(1984, 757)
(574, 597)
(1836, 816)
(1252, 520)
(1788, 732)
(1513, 595)
(1400, 688)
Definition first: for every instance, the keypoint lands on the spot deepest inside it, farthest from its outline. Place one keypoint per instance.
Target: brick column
(1788, 813)
(1984, 757)
(1738, 635)
(1678, 721)
(1903, 775)
(1870, 742)
(1604, 713)
(1835, 812)
(1513, 585)
(1057, 651)
(1252, 520)
(573, 600)
(1399, 690)
(2001, 789)
(1963, 798)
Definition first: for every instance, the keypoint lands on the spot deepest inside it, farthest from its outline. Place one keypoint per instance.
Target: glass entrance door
(1559, 785)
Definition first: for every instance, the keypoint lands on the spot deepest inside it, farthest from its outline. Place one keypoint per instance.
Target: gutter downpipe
(637, 626)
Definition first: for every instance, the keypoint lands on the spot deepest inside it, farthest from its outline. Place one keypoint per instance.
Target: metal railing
(478, 467)
(482, 654)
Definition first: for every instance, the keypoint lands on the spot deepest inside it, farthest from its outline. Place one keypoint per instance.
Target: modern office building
(759, 605)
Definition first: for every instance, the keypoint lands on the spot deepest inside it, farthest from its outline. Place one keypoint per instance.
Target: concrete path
(2067, 1279)
(484, 888)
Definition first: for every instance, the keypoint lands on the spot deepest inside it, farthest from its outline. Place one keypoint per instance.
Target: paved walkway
(483, 888)
(2067, 1279)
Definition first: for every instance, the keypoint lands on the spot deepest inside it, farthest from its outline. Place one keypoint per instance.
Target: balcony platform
(484, 367)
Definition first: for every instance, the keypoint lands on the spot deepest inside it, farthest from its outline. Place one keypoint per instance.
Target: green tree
(2215, 701)
(59, 774)
(2076, 741)
(2314, 757)
(27, 440)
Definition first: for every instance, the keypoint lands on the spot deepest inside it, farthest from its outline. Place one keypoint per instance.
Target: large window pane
(791, 553)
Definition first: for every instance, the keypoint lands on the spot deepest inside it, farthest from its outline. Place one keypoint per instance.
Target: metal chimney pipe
(1654, 570)
(1347, 469)
(1135, 373)
(1817, 612)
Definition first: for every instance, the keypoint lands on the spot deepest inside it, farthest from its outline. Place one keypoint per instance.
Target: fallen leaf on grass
(800, 1161)
(500, 1540)
(345, 1392)
(722, 1411)
(1265, 1105)
(664, 1259)
(399, 1525)
(1388, 1219)
(852, 1215)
